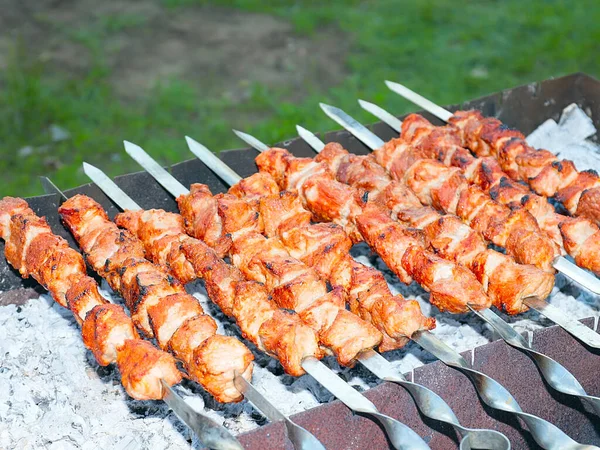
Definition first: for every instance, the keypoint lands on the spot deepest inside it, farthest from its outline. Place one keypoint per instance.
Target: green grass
(445, 50)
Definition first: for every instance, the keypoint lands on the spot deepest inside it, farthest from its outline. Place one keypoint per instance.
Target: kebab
(147, 373)
(506, 282)
(164, 237)
(444, 190)
(508, 334)
(578, 191)
(490, 391)
(443, 143)
(540, 169)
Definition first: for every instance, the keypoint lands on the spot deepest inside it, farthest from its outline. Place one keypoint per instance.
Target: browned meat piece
(255, 186)
(170, 313)
(322, 246)
(252, 307)
(220, 278)
(83, 296)
(348, 336)
(105, 330)
(9, 207)
(162, 234)
(215, 364)
(274, 163)
(569, 196)
(200, 212)
(332, 201)
(23, 229)
(289, 340)
(238, 215)
(142, 366)
(508, 283)
(145, 285)
(582, 241)
(588, 205)
(190, 335)
(282, 212)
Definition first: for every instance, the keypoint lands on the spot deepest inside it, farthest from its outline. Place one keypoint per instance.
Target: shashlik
(273, 330)
(290, 283)
(506, 282)
(545, 174)
(323, 247)
(452, 287)
(107, 330)
(159, 305)
(579, 236)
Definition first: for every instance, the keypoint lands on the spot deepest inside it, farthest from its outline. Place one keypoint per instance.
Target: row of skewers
(281, 262)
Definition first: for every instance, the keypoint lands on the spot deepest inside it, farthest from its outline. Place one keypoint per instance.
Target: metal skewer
(300, 437)
(546, 434)
(428, 402)
(577, 274)
(555, 374)
(400, 435)
(210, 433)
(573, 327)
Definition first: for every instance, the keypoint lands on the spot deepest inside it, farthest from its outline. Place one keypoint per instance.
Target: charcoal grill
(523, 107)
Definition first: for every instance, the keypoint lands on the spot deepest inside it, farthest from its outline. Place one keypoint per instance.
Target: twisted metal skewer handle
(401, 436)
(495, 395)
(554, 373)
(433, 406)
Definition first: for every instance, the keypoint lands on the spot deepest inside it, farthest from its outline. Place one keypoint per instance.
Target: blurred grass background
(449, 51)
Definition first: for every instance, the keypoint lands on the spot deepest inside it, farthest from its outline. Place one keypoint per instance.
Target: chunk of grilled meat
(160, 232)
(106, 330)
(215, 219)
(133, 362)
(578, 191)
(159, 305)
(446, 235)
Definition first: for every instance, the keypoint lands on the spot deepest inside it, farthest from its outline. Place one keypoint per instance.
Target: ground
(78, 77)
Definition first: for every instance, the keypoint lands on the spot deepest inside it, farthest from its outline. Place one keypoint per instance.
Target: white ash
(569, 138)
(55, 396)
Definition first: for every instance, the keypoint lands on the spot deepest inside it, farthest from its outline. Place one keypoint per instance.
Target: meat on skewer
(452, 287)
(273, 330)
(289, 282)
(579, 236)
(107, 331)
(578, 191)
(506, 282)
(159, 305)
(321, 246)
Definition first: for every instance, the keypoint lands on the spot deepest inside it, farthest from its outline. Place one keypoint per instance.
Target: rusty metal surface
(523, 107)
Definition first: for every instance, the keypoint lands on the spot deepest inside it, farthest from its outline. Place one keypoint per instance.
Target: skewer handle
(210, 433)
(401, 436)
(546, 434)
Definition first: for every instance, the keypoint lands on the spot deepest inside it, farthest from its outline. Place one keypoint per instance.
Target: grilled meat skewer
(107, 331)
(154, 226)
(159, 305)
(539, 168)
